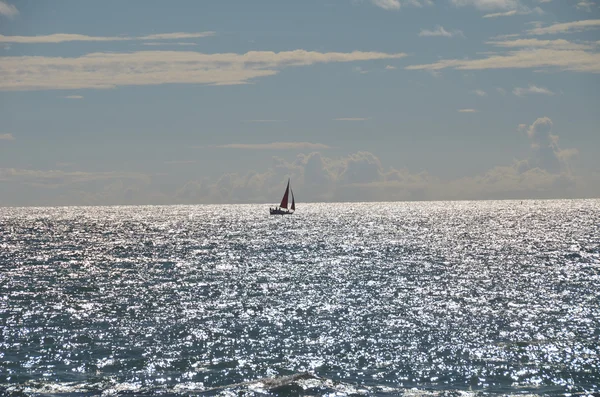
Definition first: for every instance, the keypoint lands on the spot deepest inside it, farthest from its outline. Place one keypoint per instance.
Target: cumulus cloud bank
(109, 70)
(359, 176)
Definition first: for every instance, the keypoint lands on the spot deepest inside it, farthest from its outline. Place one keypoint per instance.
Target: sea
(462, 298)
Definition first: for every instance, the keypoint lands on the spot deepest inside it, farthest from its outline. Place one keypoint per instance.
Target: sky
(197, 102)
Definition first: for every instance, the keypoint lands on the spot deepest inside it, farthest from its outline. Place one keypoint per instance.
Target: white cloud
(585, 5)
(352, 119)
(480, 92)
(176, 36)
(419, 3)
(487, 4)
(548, 154)
(565, 60)
(501, 14)
(532, 89)
(275, 146)
(7, 137)
(395, 5)
(521, 10)
(67, 37)
(359, 176)
(566, 27)
(558, 44)
(440, 31)
(387, 4)
(467, 110)
(109, 70)
(167, 43)
(8, 10)
(390, 67)
(73, 97)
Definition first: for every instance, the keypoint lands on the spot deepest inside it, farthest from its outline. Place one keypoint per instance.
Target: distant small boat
(283, 207)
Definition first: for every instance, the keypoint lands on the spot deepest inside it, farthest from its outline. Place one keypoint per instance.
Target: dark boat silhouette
(283, 206)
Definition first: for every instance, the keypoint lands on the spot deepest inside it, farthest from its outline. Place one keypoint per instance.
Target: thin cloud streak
(520, 11)
(387, 4)
(352, 119)
(501, 14)
(486, 5)
(567, 27)
(169, 43)
(532, 89)
(110, 70)
(67, 37)
(564, 60)
(7, 137)
(467, 110)
(439, 31)
(558, 44)
(585, 5)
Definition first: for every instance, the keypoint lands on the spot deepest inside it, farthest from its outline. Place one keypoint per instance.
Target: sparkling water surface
(428, 298)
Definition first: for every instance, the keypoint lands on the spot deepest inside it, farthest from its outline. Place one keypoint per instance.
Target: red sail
(293, 208)
(284, 200)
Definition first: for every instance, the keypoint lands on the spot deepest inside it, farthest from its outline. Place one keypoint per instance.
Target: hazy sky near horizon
(166, 102)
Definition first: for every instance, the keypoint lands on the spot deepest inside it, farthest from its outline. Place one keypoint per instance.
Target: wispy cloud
(73, 97)
(441, 32)
(585, 5)
(176, 36)
(166, 43)
(501, 14)
(559, 44)
(387, 4)
(8, 10)
(352, 119)
(109, 70)
(487, 4)
(479, 92)
(275, 146)
(532, 89)
(7, 137)
(467, 110)
(565, 60)
(67, 37)
(567, 27)
(522, 10)
(390, 67)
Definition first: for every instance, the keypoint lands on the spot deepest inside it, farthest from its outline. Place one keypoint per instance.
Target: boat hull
(277, 211)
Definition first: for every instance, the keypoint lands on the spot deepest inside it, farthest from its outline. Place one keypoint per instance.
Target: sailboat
(283, 207)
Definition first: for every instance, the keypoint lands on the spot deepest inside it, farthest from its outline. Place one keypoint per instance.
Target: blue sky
(166, 102)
